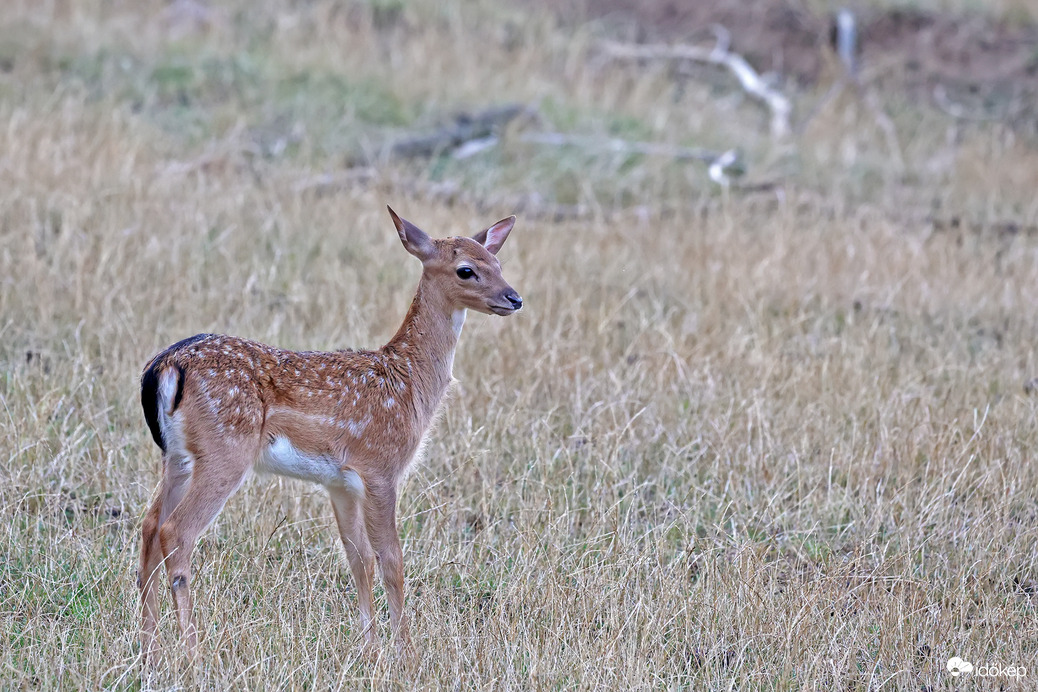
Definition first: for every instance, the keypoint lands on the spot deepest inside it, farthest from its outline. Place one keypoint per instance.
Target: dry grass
(764, 441)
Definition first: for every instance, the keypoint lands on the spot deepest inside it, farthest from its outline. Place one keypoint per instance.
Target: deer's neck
(424, 346)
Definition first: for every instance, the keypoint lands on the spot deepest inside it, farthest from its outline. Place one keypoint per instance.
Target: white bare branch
(751, 82)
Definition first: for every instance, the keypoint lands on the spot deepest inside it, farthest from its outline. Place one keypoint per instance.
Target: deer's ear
(415, 240)
(494, 237)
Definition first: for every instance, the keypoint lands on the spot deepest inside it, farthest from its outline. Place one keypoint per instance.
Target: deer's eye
(465, 273)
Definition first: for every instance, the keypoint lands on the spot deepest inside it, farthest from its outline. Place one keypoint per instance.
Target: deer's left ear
(494, 237)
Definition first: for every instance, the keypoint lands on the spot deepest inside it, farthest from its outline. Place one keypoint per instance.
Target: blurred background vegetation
(767, 424)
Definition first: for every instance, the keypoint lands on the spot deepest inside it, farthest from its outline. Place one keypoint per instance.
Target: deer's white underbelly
(281, 457)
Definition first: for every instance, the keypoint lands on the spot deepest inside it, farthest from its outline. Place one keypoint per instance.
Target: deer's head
(466, 270)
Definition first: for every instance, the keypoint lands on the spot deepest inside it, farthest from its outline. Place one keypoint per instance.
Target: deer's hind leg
(175, 479)
(220, 469)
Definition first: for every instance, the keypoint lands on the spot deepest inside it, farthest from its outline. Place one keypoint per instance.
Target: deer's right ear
(415, 240)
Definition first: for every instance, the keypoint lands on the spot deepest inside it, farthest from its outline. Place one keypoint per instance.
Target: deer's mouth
(502, 309)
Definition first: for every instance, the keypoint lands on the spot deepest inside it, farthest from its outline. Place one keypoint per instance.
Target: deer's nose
(515, 300)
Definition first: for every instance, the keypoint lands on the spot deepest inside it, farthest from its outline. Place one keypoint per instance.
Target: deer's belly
(283, 458)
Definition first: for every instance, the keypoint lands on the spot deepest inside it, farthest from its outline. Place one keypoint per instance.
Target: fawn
(352, 421)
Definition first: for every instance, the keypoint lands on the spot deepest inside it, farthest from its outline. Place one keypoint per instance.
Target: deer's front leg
(349, 517)
(380, 519)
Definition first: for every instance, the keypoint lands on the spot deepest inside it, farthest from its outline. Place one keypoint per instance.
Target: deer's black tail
(154, 401)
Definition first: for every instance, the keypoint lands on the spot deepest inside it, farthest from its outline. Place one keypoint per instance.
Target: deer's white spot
(389, 403)
(356, 427)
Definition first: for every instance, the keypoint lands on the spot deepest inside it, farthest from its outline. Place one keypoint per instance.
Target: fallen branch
(466, 127)
(473, 134)
(718, 170)
(749, 79)
(720, 162)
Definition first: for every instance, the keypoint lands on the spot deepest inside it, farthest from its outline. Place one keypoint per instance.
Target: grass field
(770, 439)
